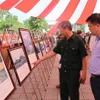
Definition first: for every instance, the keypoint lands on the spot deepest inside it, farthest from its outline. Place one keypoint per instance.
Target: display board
(20, 63)
(28, 45)
(6, 83)
(46, 46)
(38, 49)
(42, 46)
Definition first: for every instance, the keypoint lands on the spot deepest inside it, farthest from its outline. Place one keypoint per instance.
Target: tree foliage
(7, 20)
(82, 27)
(34, 23)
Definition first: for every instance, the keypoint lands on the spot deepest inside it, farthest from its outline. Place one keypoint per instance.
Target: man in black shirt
(73, 62)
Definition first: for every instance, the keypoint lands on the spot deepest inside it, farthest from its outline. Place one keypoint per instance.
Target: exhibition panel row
(22, 58)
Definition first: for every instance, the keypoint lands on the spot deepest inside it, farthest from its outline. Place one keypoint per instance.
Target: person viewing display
(73, 62)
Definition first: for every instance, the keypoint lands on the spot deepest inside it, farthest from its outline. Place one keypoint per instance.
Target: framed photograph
(20, 63)
(28, 45)
(6, 83)
(38, 49)
(46, 46)
(52, 40)
(42, 46)
(49, 43)
(46, 39)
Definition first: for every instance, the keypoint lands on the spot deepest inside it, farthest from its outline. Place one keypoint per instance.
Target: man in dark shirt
(73, 62)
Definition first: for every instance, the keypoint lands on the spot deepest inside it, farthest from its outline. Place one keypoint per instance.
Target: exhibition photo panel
(42, 48)
(28, 45)
(6, 84)
(49, 43)
(38, 49)
(46, 46)
(20, 63)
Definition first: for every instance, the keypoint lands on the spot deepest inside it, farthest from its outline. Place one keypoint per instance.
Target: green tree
(82, 27)
(2, 19)
(7, 20)
(34, 23)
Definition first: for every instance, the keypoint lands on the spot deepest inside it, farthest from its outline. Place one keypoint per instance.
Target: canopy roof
(76, 11)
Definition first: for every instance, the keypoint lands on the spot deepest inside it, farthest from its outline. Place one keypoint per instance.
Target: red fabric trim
(48, 9)
(26, 5)
(8, 4)
(88, 10)
(53, 29)
(69, 10)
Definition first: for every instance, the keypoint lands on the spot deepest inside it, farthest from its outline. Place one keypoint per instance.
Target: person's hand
(82, 76)
(36, 63)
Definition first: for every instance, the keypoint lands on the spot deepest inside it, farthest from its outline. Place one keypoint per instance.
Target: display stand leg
(25, 92)
(50, 64)
(37, 84)
(44, 76)
(41, 79)
(46, 66)
(45, 70)
(52, 61)
(33, 88)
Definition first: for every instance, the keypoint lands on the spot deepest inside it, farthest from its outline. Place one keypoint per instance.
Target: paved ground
(53, 92)
(33, 88)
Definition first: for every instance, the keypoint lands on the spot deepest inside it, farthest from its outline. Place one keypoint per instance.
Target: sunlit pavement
(53, 93)
(26, 90)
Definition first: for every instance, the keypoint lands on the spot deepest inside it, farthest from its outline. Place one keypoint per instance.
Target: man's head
(65, 27)
(94, 23)
(79, 32)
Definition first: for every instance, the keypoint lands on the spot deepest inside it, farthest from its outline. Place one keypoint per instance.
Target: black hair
(94, 18)
(65, 24)
(79, 31)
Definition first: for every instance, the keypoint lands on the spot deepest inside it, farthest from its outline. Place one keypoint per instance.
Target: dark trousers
(95, 85)
(69, 84)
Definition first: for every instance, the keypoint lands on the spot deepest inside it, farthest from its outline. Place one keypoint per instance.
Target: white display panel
(6, 84)
(20, 63)
(28, 45)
